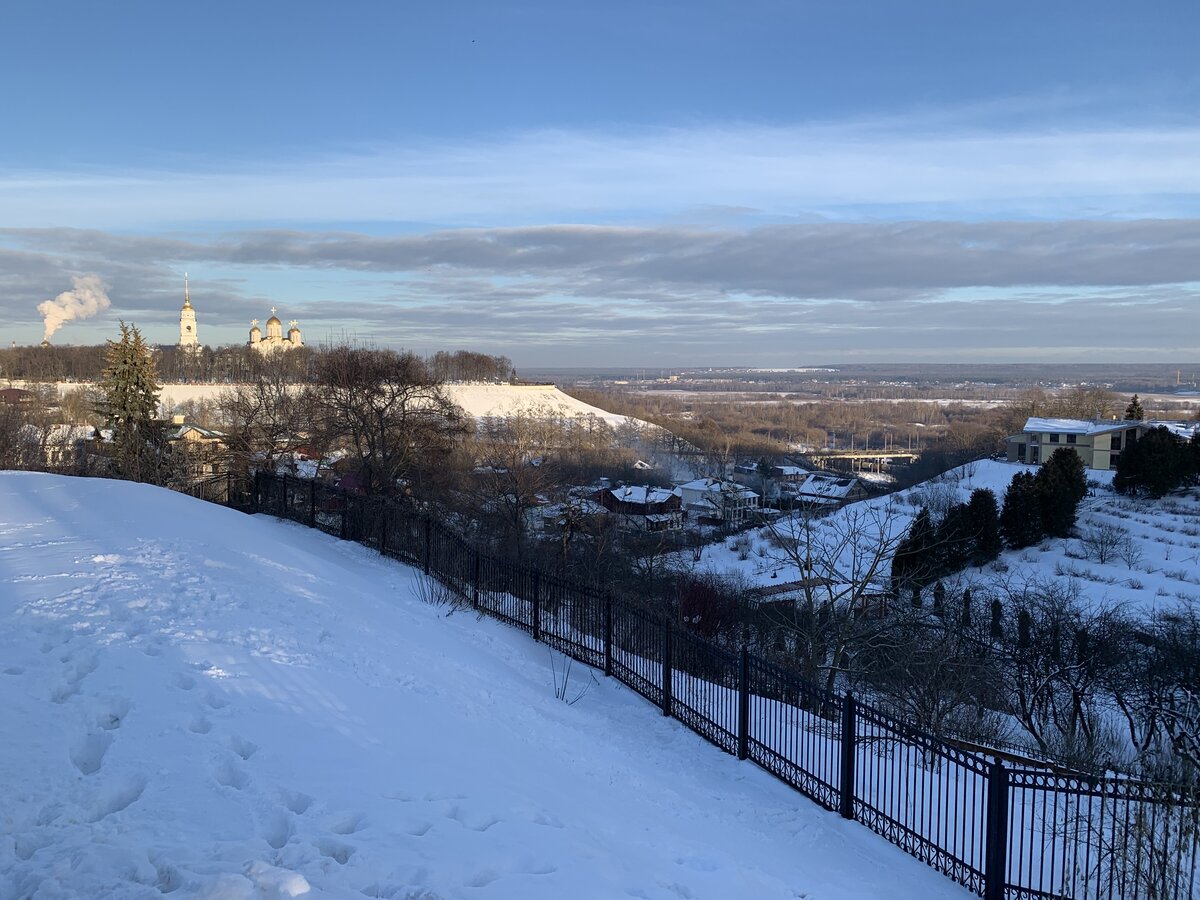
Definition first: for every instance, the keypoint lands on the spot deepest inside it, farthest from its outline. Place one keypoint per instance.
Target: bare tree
(387, 412)
(842, 565)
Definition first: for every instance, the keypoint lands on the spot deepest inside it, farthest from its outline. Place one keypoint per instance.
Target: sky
(619, 184)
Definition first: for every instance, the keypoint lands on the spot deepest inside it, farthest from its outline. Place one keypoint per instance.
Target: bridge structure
(861, 459)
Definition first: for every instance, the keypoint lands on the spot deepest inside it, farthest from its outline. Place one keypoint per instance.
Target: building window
(1116, 441)
(1054, 438)
(1020, 453)
(1070, 438)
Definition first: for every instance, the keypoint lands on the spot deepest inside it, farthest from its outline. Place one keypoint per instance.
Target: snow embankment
(207, 704)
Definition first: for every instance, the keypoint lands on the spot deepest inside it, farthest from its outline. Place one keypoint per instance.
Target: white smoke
(86, 299)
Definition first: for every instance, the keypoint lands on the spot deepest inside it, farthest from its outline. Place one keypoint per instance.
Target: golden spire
(187, 299)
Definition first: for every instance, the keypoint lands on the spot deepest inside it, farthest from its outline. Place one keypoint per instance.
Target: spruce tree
(984, 517)
(129, 386)
(1061, 485)
(1134, 411)
(1021, 518)
(1154, 464)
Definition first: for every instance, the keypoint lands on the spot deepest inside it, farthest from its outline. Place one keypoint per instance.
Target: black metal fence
(1001, 832)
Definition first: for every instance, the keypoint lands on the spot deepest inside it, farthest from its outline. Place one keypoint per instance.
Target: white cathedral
(189, 338)
(274, 339)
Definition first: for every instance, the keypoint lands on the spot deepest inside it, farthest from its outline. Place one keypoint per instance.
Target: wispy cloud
(898, 169)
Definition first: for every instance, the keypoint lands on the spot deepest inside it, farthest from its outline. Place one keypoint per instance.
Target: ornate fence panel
(637, 647)
(927, 798)
(1070, 836)
(704, 689)
(793, 732)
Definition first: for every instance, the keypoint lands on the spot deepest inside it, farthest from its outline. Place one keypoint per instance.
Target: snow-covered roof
(827, 487)
(1183, 430)
(641, 494)
(1037, 424)
(715, 486)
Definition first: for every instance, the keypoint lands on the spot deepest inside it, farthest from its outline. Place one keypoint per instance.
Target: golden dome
(274, 320)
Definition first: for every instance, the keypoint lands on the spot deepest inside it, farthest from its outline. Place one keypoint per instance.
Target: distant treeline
(230, 364)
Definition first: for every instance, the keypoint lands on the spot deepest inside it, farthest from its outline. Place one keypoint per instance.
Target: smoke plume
(86, 299)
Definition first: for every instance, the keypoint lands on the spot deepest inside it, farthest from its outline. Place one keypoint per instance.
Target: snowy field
(203, 704)
(1151, 561)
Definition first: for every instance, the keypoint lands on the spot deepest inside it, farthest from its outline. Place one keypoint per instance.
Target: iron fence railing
(1002, 833)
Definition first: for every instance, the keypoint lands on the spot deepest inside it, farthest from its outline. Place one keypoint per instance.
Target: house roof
(1036, 424)
(1184, 430)
(715, 486)
(827, 488)
(179, 431)
(641, 494)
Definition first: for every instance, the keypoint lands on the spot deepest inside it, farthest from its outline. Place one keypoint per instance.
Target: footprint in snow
(118, 795)
(242, 747)
(87, 753)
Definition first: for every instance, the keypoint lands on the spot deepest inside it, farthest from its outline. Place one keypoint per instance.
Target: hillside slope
(206, 704)
(1160, 568)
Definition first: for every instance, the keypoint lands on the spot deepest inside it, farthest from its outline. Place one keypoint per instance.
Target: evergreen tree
(1154, 464)
(984, 517)
(1134, 411)
(914, 562)
(129, 405)
(955, 541)
(1021, 518)
(1061, 485)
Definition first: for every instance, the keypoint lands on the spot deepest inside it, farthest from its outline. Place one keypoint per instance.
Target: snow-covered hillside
(205, 704)
(478, 400)
(1151, 557)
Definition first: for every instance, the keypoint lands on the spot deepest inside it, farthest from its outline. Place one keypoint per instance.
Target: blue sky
(764, 183)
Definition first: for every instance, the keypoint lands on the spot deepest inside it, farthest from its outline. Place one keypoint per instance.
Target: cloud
(779, 294)
(930, 167)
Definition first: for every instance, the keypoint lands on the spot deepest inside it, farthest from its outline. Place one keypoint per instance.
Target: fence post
(257, 502)
(667, 676)
(383, 529)
(475, 580)
(537, 605)
(743, 726)
(608, 634)
(849, 728)
(995, 865)
(428, 541)
(312, 503)
(286, 512)
(345, 514)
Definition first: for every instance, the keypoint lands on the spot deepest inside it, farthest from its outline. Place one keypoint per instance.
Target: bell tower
(188, 338)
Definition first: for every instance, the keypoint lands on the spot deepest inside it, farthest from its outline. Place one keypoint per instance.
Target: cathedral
(274, 339)
(189, 338)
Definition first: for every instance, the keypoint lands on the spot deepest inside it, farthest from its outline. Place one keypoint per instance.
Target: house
(16, 396)
(638, 508)
(714, 500)
(825, 489)
(61, 446)
(203, 449)
(1098, 442)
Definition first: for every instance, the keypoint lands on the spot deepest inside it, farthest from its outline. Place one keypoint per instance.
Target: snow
(214, 705)
(1075, 426)
(1160, 571)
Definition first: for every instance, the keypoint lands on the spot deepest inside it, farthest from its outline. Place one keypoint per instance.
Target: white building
(711, 498)
(189, 337)
(274, 339)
